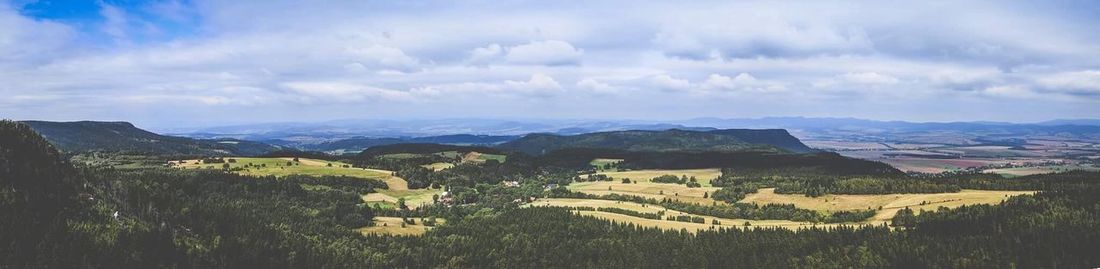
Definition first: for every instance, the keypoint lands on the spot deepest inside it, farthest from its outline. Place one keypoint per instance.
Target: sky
(197, 62)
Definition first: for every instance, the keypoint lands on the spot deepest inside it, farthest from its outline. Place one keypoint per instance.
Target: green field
(413, 198)
(599, 163)
(478, 157)
(438, 166)
(279, 167)
(392, 226)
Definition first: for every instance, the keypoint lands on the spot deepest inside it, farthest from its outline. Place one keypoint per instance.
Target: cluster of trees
(683, 179)
(686, 218)
(734, 193)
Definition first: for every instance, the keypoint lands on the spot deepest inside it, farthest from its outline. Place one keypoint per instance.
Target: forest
(56, 213)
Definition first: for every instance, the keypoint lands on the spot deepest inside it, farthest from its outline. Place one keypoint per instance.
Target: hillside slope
(731, 140)
(83, 136)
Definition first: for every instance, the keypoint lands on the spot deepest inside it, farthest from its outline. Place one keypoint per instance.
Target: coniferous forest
(59, 214)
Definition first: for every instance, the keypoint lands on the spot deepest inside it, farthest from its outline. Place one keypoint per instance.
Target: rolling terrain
(84, 136)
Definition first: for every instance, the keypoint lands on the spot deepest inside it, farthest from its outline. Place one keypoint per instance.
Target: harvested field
(890, 203)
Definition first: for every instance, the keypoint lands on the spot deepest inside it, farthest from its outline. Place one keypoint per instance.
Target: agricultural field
(413, 198)
(278, 167)
(702, 175)
(392, 226)
(647, 189)
(664, 224)
(1027, 171)
(478, 157)
(438, 166)
(890, 203)
(398, 187)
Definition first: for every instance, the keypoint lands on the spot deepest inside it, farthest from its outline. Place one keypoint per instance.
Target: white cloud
(741, 82)
(667, 82)
(869, 78)
(383, 56)
(538, 82)
(336, 92)
(1082, 82)
(550, 52)
(596, 86)
(486, 54)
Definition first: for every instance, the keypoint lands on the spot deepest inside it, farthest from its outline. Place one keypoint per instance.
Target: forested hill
(361, 143)
(84, 136)
(729, 140)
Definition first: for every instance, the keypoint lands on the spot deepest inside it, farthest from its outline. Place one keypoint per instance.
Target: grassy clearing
(438, 166)
(1027, 171)
(478, 157)
(600, 162)
(449, 154)
(647, 189)
(890, 203)
(278, 167)
(413, 198)
(702, 175)
(663, 224)
(392, 226)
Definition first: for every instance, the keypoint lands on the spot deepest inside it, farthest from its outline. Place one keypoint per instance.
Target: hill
(730, 140)
(424, 148)
(361, 143)
(84, 136)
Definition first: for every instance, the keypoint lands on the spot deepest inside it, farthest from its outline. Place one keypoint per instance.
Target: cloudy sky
(198, 62)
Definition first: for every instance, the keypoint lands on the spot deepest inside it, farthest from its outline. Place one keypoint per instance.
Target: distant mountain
(361, 143)
(305, 134)
(83, 136)
(1092, 122)
(424, 148)
(733, 140)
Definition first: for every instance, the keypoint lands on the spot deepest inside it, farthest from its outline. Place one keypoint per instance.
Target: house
(511, 184)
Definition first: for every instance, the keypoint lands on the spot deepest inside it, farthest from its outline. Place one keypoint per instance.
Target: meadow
(702, 175)
(662, 223)
(887, 205)
(647, 189)
(392, 226)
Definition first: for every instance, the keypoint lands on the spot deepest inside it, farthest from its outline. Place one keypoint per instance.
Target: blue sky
(167, 63)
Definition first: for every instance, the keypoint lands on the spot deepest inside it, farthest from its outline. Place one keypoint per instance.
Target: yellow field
(413, 198)
(890, 203)
(664, 224)
(392, 226)
(438, 166)
(647, 189)
(702, 175)
(277, 167)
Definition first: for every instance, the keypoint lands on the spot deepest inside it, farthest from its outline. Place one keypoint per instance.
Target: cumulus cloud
(1079, 82)
(667, 82)
(596, 86)
(741, 82)
(324, 58)
(549, 52)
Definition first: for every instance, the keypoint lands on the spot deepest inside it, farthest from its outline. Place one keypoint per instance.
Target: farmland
(438, 166)
(662, 223)
(392, 226)
(647, 189)
(702, 175)
(889, 203)
(281, 167)
(413, 198)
